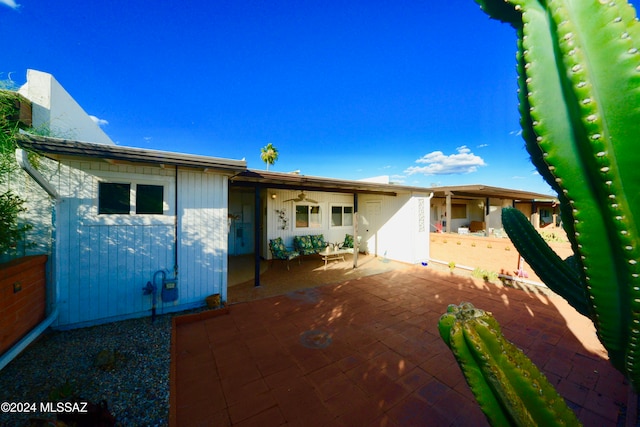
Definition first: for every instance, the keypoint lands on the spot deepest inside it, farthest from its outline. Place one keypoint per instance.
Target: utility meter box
(169, 291)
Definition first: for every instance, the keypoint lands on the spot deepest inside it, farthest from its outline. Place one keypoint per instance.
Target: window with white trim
(308, 216)
(127, 198)
(341, 216)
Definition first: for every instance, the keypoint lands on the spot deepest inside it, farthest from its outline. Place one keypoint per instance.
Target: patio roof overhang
(58, 149)
(294, 181)
(484, 191)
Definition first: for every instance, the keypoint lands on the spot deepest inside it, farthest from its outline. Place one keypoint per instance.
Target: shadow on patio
(366, 352)
(275, 279)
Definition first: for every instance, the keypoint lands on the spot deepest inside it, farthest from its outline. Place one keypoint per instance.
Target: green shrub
(11, 205)
(486, 275)
(11, 231)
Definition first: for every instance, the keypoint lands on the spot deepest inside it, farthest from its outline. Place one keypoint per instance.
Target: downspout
(356, 218)
(175, 228)
(428, 225)
(447, 213)
(9, 355)
(257, 233)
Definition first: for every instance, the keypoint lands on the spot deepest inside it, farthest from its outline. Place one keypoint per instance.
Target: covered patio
(365, 351)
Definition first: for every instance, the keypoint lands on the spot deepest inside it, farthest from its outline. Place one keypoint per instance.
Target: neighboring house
(478, 208)
(52, 112)
(56, 113)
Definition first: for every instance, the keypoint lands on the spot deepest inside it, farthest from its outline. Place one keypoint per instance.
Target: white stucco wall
(395, 227)
(54, 109)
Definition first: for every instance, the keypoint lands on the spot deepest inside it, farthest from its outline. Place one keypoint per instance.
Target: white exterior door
(371, 225)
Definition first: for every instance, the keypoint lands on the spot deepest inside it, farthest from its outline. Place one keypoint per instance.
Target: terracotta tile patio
(366, 352)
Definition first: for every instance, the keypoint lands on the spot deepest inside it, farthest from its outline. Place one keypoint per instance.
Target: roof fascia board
(60, 148)
(311, 187)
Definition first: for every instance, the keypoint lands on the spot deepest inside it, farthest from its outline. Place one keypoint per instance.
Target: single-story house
(124, 221)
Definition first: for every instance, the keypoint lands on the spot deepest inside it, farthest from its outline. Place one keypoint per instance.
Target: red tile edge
(203, 315)
(175, 321)
(173, 398)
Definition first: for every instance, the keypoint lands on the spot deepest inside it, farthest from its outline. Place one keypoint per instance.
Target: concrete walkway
(366, 352)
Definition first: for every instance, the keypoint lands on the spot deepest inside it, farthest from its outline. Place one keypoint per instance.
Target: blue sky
(422, 91)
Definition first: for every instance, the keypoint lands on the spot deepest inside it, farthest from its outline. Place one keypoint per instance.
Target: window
(113, 198)
(458, 211)
(341, 216)
(149, 199)
(308, 216)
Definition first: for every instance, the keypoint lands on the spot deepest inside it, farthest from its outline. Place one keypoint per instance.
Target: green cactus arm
(508, 386)
(570, 114)
(580, 112)
(452, 334)
(598, 41)
(557, 274)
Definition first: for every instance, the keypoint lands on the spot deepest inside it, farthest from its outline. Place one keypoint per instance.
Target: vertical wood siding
(103, 263)
(202, 252)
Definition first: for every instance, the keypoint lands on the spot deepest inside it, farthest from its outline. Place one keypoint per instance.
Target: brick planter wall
(487, 253)
(22, 298)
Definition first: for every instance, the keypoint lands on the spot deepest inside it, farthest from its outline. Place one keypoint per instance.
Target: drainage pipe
(23, 160)
(9, 355)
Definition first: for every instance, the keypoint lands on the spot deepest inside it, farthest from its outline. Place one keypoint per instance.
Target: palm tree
(269, 154)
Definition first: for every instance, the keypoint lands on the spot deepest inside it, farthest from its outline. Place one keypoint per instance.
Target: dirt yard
(487, 253)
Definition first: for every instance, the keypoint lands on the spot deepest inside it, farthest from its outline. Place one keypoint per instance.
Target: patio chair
(348, 243)
(279, 251)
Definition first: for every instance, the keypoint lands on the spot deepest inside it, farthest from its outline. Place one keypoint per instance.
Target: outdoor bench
(309, 244)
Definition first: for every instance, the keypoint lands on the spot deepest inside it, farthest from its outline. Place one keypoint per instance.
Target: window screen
(302, 216)
(341, 216)
(308, 216)
(336, 216)
(149, 199)
(113, 198)
(315, 220)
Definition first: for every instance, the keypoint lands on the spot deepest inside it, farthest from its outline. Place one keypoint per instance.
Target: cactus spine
(579, 93)
(506, 384)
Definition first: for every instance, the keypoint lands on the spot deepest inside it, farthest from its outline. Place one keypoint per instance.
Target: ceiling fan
(302, 198)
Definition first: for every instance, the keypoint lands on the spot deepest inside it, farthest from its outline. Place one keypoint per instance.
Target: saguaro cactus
(579, 93)
(507, 385)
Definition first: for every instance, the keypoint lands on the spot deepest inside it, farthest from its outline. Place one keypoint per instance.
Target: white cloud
(11, 3)
(482, 145)
(99, 122)
(398, 179)
(437, 163)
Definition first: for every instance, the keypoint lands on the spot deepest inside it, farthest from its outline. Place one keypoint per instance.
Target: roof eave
(61, 148)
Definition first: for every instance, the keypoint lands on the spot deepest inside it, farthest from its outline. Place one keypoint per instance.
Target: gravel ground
(125, 363)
